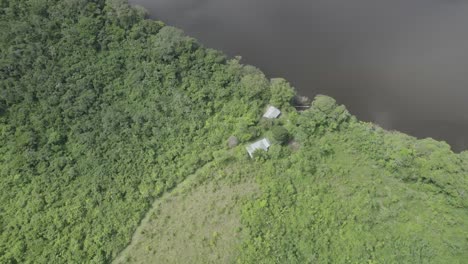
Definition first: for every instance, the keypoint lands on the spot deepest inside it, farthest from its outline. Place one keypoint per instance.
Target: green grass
(103, 112)
(198, 222)
(328, 197)
(333, 202)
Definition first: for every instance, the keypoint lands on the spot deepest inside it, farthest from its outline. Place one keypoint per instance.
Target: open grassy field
(198, 222)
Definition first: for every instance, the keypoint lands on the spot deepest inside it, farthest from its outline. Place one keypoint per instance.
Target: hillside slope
(197, 222)
(341, 191)
(103, 111)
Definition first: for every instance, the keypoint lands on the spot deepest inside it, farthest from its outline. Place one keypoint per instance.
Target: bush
(324, 103)
(280, 134)
(325, 114)
(281, 93)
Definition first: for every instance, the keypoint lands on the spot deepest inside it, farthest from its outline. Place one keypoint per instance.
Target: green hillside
(104, 115)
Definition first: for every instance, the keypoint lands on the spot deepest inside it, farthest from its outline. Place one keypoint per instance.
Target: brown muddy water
(400, 63)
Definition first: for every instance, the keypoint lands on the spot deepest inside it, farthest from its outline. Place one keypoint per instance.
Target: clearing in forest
(198, 222)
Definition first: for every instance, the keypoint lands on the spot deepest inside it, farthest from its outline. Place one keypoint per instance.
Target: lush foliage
(102, 111)
(354, 193)
(280, 134)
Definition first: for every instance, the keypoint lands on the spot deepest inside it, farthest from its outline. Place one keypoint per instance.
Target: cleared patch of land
(198, 222)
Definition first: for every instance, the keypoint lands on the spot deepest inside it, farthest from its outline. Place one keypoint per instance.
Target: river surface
(402, 64)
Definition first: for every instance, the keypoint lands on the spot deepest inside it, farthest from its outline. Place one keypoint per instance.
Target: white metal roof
(261, 144)
(272, 112)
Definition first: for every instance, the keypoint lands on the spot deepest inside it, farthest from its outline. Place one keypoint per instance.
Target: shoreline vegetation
(103, 112)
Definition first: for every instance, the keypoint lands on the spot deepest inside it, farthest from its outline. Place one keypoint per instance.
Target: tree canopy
(102, 111)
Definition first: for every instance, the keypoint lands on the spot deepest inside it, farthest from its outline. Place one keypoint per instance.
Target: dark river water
(400, 63)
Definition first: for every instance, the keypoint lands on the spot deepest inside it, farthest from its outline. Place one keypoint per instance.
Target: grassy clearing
(198, 222)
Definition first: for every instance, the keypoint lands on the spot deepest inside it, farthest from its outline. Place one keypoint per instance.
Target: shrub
(280, 134)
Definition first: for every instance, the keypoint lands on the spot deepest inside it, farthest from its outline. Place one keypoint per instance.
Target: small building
(272, 112)
(261, 144)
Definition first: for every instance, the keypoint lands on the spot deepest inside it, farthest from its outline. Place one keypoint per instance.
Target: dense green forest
(103, 111)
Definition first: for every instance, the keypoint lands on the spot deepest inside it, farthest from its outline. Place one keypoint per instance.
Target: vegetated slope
(354, 193)
(199, 220)
(101, 111)
(341, 191)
